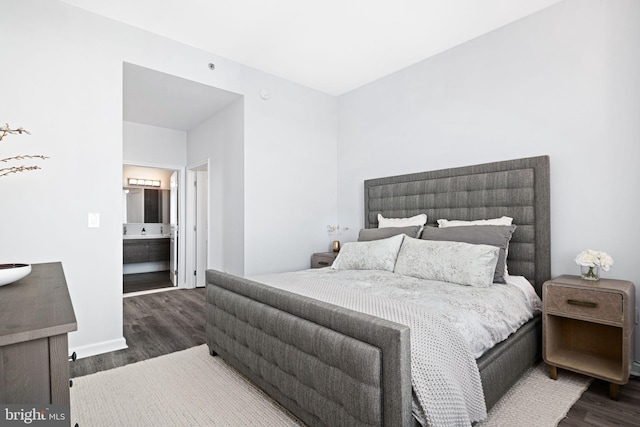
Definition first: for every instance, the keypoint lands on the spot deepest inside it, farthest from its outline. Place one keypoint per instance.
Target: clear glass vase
(590, 273)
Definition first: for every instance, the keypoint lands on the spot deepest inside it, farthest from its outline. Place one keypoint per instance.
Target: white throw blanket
(444, 373)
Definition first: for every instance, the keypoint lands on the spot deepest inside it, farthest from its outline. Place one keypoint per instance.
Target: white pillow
(445, 261)
(505, 220)
(373, 255)
(420, 219)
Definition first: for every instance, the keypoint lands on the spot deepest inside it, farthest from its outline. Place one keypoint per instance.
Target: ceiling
(158, 99)
(331, 45)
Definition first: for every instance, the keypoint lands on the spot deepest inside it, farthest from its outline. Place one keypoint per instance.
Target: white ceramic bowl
(9, 273)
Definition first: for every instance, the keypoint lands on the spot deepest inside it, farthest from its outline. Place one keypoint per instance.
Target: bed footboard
(326, 364)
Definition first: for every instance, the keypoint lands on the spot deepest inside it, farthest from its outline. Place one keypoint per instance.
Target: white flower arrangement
(591, 258)
(335, 231)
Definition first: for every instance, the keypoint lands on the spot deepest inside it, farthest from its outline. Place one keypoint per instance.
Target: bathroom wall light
(144, 182)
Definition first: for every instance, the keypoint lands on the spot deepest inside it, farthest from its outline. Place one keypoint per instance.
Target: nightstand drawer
(323, 259)
(593, 304)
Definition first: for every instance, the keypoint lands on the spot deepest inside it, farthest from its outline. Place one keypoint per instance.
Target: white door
(201, 228)
(173, 234)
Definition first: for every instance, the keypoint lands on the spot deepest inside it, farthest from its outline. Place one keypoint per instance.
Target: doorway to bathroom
(150, 200)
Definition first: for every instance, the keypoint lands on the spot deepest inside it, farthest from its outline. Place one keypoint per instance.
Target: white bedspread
(484, 316)
(451, 325)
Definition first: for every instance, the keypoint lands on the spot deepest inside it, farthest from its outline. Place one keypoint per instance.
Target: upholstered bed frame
(333, 366)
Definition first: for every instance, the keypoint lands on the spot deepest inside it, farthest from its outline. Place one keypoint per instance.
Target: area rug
(191, 388)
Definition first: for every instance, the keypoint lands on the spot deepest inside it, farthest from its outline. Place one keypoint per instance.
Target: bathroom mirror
(145, 205)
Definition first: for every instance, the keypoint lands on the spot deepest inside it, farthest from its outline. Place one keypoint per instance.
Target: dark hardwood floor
(145, 281)
(164, 322)
(595, 408)
(153, 325)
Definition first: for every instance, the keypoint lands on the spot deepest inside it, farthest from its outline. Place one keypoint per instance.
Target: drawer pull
(582, 303)
(323, 263)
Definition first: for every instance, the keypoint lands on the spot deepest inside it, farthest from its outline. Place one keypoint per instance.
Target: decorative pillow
(420, 220)
(505, 220)
(373, 255)
(454, 262)
(494, 235)
(368, 234)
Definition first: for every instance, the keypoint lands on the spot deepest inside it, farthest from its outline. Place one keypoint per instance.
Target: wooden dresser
(588, 327)
(36, 315)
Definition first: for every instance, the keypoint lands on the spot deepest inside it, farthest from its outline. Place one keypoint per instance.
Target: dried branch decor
(6, 130)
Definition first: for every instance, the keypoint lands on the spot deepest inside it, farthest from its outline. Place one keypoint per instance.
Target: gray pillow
(494, 235)
(368, 234)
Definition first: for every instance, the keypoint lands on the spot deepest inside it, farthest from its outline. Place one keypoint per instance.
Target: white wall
(153, 145)
(61, 78)
(290, 150)
(220, 140)
(563, 82)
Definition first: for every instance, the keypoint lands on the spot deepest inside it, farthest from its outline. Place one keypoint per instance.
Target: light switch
(94, 220)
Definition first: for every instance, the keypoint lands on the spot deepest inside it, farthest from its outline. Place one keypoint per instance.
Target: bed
(330, 365)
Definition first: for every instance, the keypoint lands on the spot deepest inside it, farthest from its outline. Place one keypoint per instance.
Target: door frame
(196, 237)
(181, 282)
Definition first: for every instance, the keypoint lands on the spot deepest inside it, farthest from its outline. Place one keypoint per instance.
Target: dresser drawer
(592, 304)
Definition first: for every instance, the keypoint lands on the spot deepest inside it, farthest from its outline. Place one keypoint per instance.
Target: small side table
(323, 259)
(588, 327)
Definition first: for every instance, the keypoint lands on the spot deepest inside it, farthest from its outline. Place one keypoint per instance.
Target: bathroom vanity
(141, 249)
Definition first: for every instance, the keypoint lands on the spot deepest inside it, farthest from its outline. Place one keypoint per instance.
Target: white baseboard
(99, 348)
(150, 291)
(635, 369)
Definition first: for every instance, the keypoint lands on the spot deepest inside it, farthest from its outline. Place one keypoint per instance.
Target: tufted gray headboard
(515, 188)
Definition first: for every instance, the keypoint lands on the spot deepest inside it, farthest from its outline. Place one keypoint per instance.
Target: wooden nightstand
(587, 327)
(323, 259)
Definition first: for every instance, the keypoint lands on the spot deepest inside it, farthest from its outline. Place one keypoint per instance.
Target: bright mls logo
(36, 415)
(26, 416)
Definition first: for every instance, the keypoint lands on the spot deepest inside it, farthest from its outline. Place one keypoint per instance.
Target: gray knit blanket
(444, 375)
